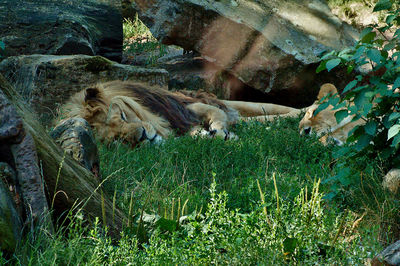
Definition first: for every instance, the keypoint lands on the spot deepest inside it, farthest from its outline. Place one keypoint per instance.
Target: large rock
(389, 256)
(269, 45)
(47, 81)
(391, 181)
(62, 27)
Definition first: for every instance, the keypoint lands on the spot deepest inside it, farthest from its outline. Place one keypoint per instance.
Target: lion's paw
(224, 134)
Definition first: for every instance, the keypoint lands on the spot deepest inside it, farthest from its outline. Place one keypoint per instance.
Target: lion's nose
(307, 131)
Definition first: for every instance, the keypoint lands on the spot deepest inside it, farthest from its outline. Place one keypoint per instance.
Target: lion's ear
(325, 90)
(310, 113)
(91, 94)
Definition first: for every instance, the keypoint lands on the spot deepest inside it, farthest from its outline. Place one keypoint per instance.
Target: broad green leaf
(367, 108)
(350, 68)
(360, 100)
(359, 52)
(396, 140)
(397, 33)
(325, 56)
(389, 46)
(366, 31)
(353, 109)
(396, 83)
(321, 67)
(394, 116)
(370, 127)
(363, 141)
(321, 107)
(344, 176)
(344, 51)
(383, 5)
(390, 18)
(332, 63)
(369, 37)
(357, 129)
(340, 115)
(340, 105)
(370, 94)
(350, 86)
(374, 55)
(386, 123)
(334, 101)
(2, 45)
(393, 131)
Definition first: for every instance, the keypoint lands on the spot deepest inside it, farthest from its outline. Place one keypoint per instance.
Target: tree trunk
(69, 186)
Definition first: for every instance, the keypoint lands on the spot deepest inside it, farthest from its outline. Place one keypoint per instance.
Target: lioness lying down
(324, 125)
(135, 112)
(324, 122)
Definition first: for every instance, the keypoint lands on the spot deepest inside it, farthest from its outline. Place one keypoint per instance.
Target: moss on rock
(97, 64)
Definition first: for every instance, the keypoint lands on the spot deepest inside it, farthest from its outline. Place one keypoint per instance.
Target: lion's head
(324, 122)
(115, 114)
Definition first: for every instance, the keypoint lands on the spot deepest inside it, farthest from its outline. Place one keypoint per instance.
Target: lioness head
(323, 122)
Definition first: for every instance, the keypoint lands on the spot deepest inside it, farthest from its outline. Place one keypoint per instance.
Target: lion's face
(320, 123)
(112, 121)
(323, 122)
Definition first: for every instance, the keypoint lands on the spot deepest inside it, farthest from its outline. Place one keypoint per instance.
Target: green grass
(212, 186)
(184, 168)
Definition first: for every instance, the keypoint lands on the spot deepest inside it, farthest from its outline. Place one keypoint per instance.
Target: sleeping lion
(324, 122)
(136, 112)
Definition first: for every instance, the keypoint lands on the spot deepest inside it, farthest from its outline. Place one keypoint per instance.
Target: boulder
(391, 181)
(389, 256)
(272, 46)
(47, 81)
(62, 27)
(357, 14)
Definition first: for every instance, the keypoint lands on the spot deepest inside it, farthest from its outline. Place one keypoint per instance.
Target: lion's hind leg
(262, 111)
(264, 118)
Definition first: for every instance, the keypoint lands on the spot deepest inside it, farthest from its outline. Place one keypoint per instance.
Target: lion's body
(324, 123)
(135, 112)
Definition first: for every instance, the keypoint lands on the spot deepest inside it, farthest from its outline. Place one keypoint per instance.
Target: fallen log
(69, 186)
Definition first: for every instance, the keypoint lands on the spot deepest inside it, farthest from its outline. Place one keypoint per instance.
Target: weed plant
(298, 231)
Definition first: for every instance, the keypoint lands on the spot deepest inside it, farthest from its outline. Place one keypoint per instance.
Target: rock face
(46, 81)
(62, 27)
(269, 45)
